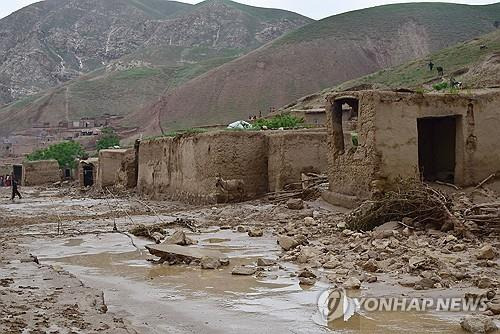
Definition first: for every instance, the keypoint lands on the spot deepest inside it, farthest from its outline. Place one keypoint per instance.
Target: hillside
(319, 55)
(51, 42)
(475, 63)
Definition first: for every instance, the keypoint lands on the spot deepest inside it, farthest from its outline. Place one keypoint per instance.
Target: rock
(380, 244)
(241, 229)
(179, 238)
(408, 282)
(295, 204)
(424, 284)
(372, 279)
(157, 237)
(224, 261)
(332, 264)
(485, 283)
(208, 262)
(165, 250)
(478, 324)
(255, 232)
(287, 243)
(487, 252)
(244, 270)
(307, 281)
(494, 306)
(306, 253)
(262, 262)
(309, 221)
(306, 273)
(341, 225)
(416, 262)
(352, 284)
(389, 226)
(370, 266)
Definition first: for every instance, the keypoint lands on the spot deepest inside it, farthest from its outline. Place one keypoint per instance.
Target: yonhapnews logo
(335, 304)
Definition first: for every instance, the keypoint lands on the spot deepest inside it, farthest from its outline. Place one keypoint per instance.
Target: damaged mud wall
(387, 133)
(351, 167)
(292, 153)
(116, 167)
(186, 167)
(6, 170)
(40, 172)
(475, 119)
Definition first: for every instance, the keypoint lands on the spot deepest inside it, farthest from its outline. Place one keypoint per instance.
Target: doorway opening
(88, 175)
(437, 138)
(344, 112)
(18, 173)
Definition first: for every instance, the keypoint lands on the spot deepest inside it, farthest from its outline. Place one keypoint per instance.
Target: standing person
(7, 181)
(2, 183)
(15, 192)
(431, 65)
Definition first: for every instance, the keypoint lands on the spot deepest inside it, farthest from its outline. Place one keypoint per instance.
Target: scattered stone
(179, 238)
(295, 204)
(487, 252)
(380, 244)
(389, 226)
(208, 262)
(244, 270)
(241, 229)
(424, 284)
(370, 265)
(307, 281)
(352, 284)
(306, 273)
(416, 262)
(372, 279)
(157, 237)
(332, 264)
(478, 324)
(485, 283)
(224, 261)
(494, 306)
(255, 232)
(287, 243)
(306, 253)
(262, 262)
(175, 251)
(309, 221)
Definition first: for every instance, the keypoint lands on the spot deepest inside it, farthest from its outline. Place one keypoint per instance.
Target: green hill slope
(475, 63)
(320, 55)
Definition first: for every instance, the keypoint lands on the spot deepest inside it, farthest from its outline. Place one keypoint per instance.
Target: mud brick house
(439, 137)
(41, 172)
(116, 167)
(186, 167)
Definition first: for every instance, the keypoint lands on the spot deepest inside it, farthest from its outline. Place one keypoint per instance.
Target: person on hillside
(2, 183)
(431, 66)
(15, 191)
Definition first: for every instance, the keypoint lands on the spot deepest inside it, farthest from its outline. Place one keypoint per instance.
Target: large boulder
(255, 232)
(208, 262)
(478, 324)
(295, 204)
(287, 243)
(486, 252)
(244, 270)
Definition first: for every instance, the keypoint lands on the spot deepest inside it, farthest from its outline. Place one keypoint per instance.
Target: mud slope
(319, 55)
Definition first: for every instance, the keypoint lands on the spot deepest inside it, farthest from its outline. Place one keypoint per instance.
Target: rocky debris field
(398, 258)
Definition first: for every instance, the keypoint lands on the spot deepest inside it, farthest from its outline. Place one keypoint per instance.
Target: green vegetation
(65, 153)
(440, 86)
(280, 121)
(107, 139)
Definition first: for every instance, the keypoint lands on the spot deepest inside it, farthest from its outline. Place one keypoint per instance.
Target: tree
(108, 139)
(65, 153)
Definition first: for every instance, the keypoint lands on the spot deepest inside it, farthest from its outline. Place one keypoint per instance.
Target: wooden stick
(484, 181)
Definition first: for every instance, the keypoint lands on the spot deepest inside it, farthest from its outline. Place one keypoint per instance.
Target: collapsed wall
(186, 167)
(292, 153)
(6, 170)
(40, 172)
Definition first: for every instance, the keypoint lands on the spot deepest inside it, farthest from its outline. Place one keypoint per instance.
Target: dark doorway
(67, 173)
(344, 110)
(18, 173)
(88, 175)
(437, 148)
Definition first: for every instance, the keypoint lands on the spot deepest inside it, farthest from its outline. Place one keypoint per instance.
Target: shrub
(65, 153)
(279, 121)
(440, 86)
(108, 139)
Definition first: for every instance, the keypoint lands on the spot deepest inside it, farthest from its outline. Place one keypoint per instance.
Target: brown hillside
(320, 55)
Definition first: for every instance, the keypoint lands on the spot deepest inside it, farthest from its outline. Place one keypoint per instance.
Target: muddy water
(186, 299)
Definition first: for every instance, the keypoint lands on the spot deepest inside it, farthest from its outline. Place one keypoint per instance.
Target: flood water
(185, 299)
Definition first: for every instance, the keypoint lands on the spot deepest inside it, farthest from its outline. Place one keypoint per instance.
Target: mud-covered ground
(94, 279)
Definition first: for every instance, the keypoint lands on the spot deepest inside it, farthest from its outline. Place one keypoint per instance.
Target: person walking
(15, 191)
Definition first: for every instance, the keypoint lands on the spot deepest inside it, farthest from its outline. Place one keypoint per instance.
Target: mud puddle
(186, 299)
